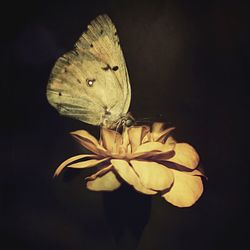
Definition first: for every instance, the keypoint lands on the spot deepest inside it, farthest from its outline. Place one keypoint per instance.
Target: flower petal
(186, 190)
(126, 147)
(87, 164)
(72, 159)
(157, 127)
(170, 140)
(136, 134)
(153, 175)
(195, 172)
(164, 134)
(154, 146)
(162, 156)
(106, 182)
(99, 173)
(185, 155)
(159, 133)
(89, 142)
(128, 174)
(111, 140)
(146, 138)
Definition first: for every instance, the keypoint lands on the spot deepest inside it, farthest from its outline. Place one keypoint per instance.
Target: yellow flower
(148, 159)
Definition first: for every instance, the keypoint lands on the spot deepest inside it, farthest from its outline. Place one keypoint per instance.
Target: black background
(187, 60)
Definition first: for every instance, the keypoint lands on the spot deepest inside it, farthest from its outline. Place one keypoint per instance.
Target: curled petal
(186, 190)
(87, 164)
(185, 155)
(164, 134)
(196, 172)
(153, 175)
(106, 182)
(70, 160)
(160, 135)
(99, 173)
(111, 140)
(128, 174)
(136, 134)
(89, 142)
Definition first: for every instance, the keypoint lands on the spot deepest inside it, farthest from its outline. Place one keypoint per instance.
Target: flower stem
(127, 213)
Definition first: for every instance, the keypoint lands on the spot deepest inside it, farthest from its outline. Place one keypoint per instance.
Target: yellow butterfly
(91, 82)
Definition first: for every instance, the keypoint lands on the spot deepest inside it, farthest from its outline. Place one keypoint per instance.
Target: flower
(147, 158)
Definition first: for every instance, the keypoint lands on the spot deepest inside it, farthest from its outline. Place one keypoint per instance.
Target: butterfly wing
(91, 82)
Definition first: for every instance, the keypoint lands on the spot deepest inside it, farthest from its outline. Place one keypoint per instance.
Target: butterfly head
(125, 120)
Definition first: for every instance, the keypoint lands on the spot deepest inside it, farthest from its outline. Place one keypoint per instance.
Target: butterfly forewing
(91, 82)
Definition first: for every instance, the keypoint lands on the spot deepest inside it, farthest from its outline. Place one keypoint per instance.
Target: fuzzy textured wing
(97, 57)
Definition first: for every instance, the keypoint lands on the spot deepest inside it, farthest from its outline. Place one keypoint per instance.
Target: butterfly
(91, 82)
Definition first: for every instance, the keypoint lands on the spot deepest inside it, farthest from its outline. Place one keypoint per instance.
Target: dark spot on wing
(91, 45)
(101, 32)
(106, 68)
(115, 68)
(60, 94)
(78, 81)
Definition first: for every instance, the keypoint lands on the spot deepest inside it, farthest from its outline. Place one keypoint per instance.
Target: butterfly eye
(90, 83)
(129, 123)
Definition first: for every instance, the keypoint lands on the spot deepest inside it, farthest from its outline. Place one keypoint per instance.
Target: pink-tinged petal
(106, 182)
(99, 173)
(186, 190)
(89, 142)
(70, 160)
(185, 155)
(136, 134)
(128, 174)
(111, 140)
(87, 164)
(153, 175)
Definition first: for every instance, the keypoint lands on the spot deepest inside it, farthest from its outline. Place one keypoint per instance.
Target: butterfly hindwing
(91, 82)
